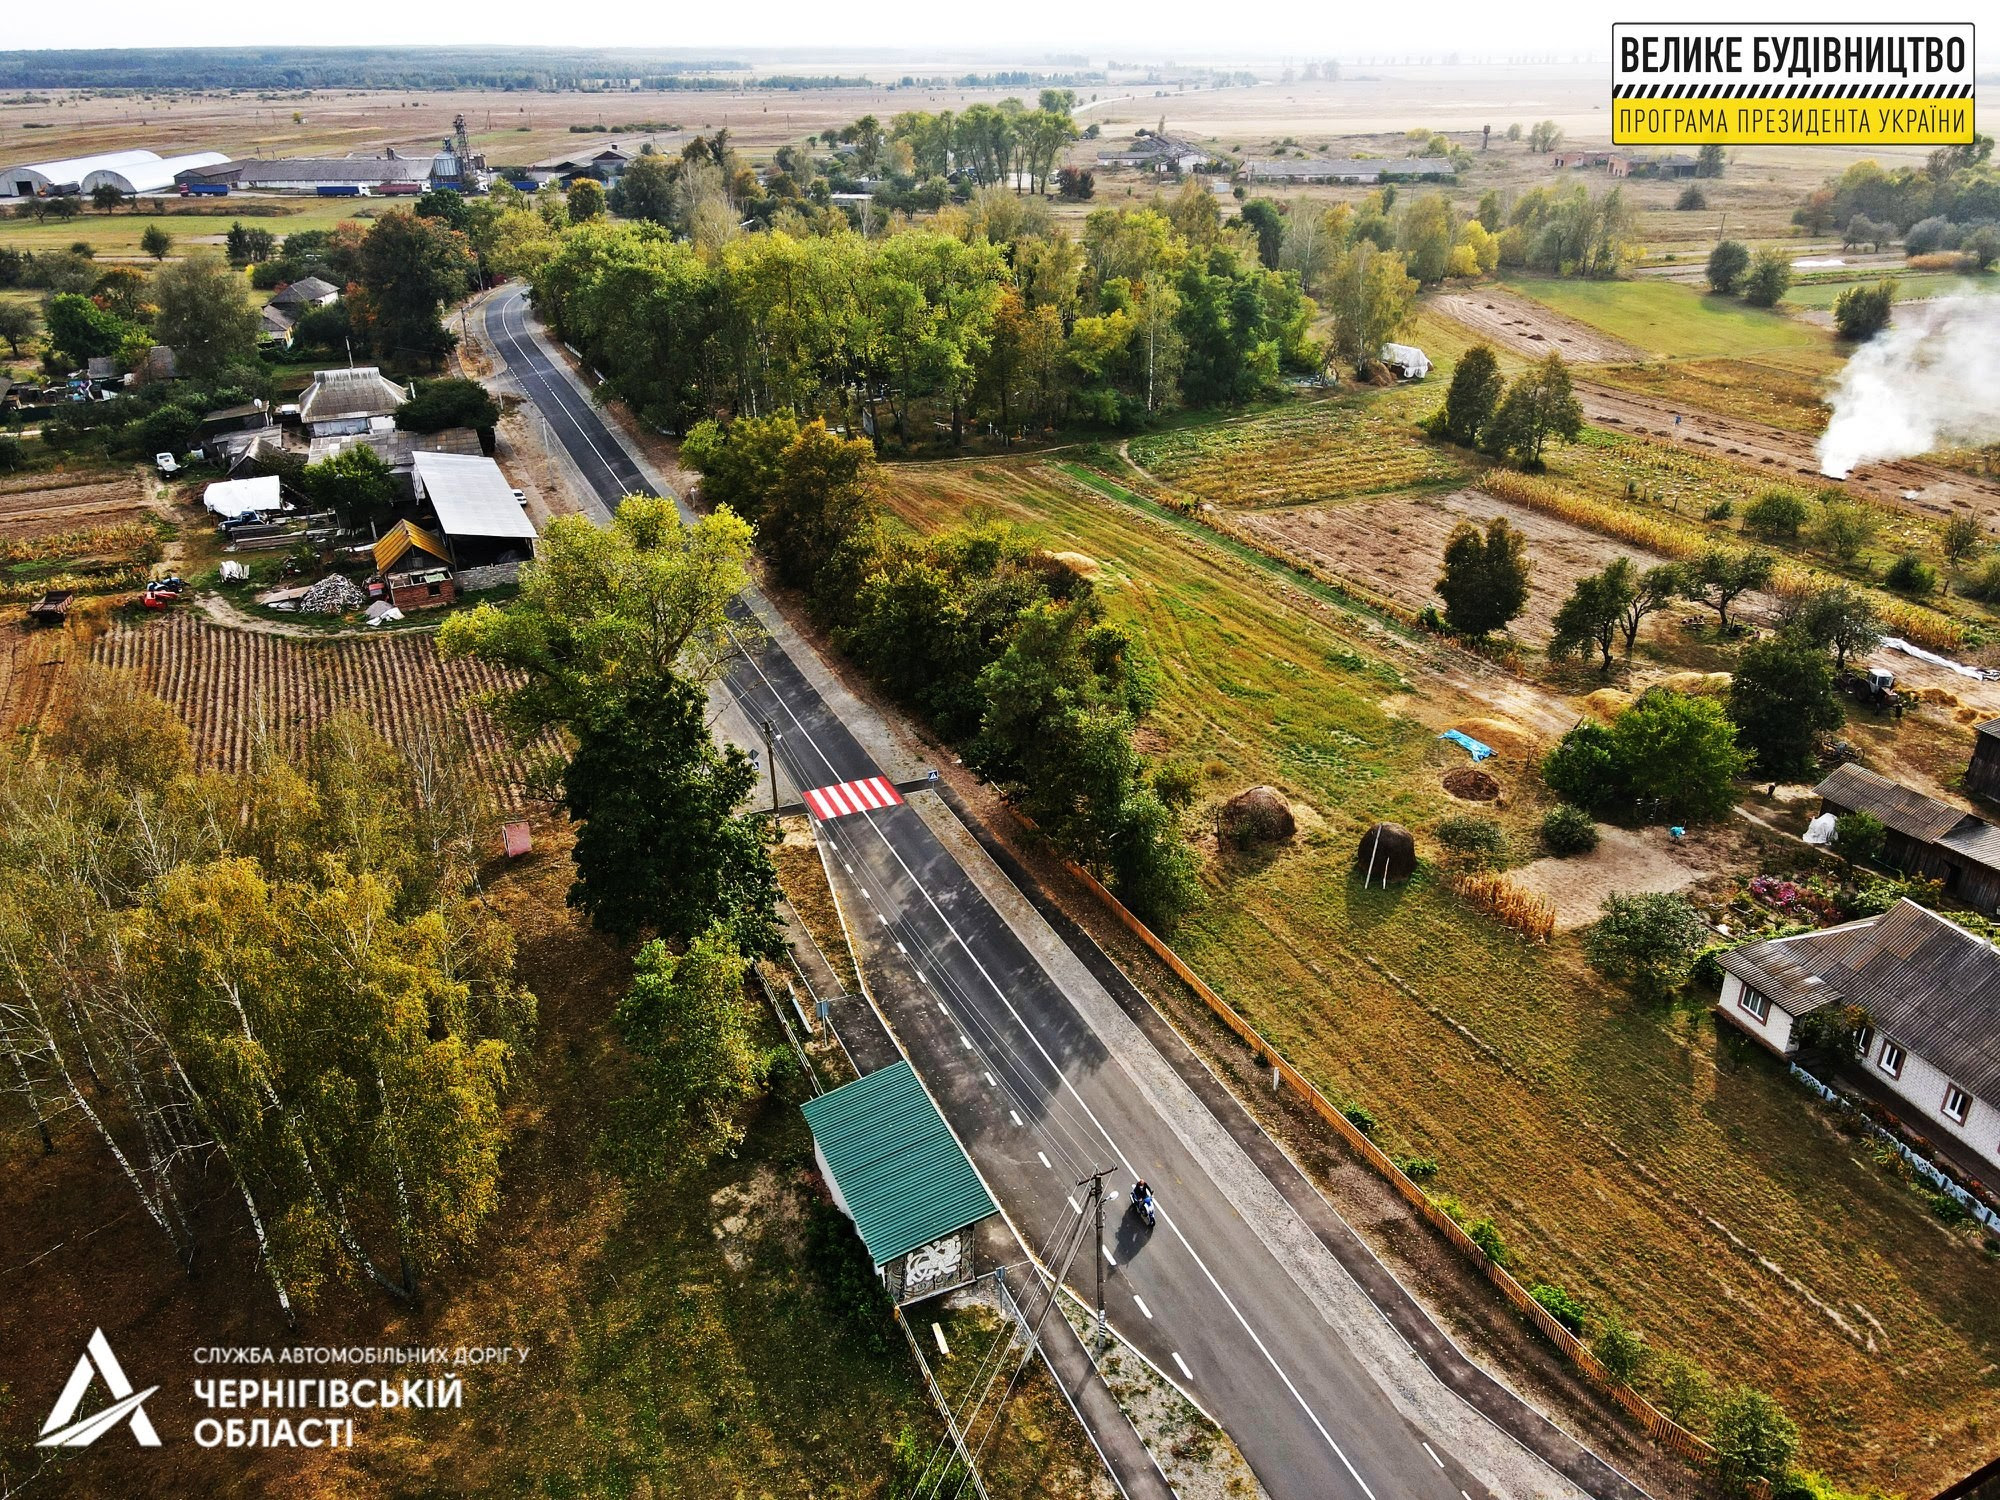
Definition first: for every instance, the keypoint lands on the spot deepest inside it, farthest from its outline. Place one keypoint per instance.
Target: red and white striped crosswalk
(847, 797)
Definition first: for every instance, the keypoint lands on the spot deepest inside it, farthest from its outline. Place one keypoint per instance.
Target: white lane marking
(1143, 1308)
(937, 1330)
(990, 1083)
(1433, 1453)
(902, 950)
(964, 1042)
(1075, 1207)
(1042, 1154)
(1108, 1260)
(553, 383)
(1015, 1116)
(919, 972)
(806, 735)
(1187, 1374)
(864, 894)
(882, 919)
(847, 867)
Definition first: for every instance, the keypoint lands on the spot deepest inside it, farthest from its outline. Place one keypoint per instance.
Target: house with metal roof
(1931, 994)
(1349, 169)
(339, 402)
(1982, 772)
(894, 1167)
(478, 514)
(1155, 153)
(1925, 836)
(415, 567)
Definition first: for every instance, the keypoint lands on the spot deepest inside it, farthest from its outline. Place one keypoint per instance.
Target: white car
(166, 464)
(521, 496)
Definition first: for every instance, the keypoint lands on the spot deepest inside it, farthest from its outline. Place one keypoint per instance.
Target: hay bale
(1703, 684)
(333, 595)
(1256, 815)
(1470, 784)
(1388, 853)
(1608, 703)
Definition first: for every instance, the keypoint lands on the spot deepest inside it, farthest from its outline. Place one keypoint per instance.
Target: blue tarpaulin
(1478, 751)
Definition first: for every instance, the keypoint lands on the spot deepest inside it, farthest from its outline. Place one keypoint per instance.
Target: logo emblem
(63, 1430)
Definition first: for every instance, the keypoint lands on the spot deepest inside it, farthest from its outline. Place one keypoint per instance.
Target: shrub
(1754, 1440)
(1647, 941)
(1961, 538)
(1691, 198)
(1686, 1393)
(1859, 837)
(1359, 1118)
(1910, 574)
(1486, 1235)
(1948, 1209)
(1726, 264)
(1706, 970)
(1417, 1168)
(1770, 277)
(1472, 838)
(1568, 830)
(1861, 312)
(1775, 515)
(1560, 1305)
(1621, 1351)
(1983, 583)
(12, 454)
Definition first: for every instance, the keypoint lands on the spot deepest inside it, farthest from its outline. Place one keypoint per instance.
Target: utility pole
(771, 738)
(1096, 1181)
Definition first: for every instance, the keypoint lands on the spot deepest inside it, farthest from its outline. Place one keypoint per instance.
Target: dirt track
(1526, 327)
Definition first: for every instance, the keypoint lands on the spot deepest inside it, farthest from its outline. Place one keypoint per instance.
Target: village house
(1156, 153)
(342, 402)
(479, 516)
(1931, 993)
(1982, 772)
(1924, 836)
(415, 567)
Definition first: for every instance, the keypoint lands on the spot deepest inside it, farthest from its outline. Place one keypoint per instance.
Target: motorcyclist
(1142, 1200)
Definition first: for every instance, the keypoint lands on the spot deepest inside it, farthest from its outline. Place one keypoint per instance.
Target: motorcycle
(1142, 1203)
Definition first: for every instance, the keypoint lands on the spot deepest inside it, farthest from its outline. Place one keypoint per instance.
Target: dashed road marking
(1015, 1116)
(1433, 1453)
(990, 1083)
(1142, 1307)
(1075, 1207)
(1108, 1260)
(1042, 1154)
(1181, 1365)
(964, 1041)
(904, 951)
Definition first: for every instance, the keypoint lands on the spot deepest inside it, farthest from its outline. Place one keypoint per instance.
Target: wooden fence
(1658, 1425)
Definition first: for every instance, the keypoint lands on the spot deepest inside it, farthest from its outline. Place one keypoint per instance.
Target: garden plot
(1396, 548)
(41, 504)
(1324, 450)
(1526, 327)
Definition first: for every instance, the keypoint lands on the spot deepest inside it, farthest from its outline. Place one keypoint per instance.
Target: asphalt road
(1041, 1103)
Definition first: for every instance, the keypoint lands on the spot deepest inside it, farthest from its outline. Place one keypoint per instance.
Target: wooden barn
(1925, 836)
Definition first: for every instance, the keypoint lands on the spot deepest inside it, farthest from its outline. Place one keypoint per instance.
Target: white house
(1931, 991)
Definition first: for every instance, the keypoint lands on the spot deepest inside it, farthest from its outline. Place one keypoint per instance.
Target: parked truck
(340, 190)
(205, 189)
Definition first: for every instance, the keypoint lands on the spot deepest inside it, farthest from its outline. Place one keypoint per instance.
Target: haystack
(1608, 703)
(1256, 815)
(1388, 853)
(1504, 735)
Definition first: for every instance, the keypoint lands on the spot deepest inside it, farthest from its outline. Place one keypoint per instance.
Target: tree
(1859, 837)
(1651, 592)
(584, 200)
(451, 402)
(1539, 406)
(1686, 1393)
(106, 197)
(1862, 311)
(1718, 577)
(1781, 700)
(646, 190)
(18, 322)
(1485, 579)
(1075, 184)
(1835, 618)
(1843, 529)
(1545, 136)
(156, 242)
(1691, 200)
(823, 497)
(1709, 160)
(1621, 1351)
(80, 330)
(447, 205)
(204, 316)
(1425, 233)
(1910, 574)
(1594, 612)
(1647, 942)
(409, 269)
(1472, 397)
(1370, 296)
(1961, 538)
(661, 848)
(1567, 829)
(1775, 515)
(1726, 264)
(1676, 752)
(355, 483)
(1769, 278)
(609, 613)
(1267, 221)
(1754, 1440)
(687, 1023)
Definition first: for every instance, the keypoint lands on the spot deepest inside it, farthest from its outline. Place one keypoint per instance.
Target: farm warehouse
(231, 684)
(32, 179)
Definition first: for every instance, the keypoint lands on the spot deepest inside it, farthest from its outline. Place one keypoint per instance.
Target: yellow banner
(1788, 122)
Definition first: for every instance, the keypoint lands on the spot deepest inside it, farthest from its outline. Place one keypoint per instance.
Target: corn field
(1681, 540)
(1502, 900)
(234, 686)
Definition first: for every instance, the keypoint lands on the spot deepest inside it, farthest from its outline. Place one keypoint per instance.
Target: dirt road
(1526, 327)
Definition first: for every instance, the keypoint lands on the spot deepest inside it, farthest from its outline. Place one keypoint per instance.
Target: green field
(1911, 286)
(117, 234)
(1671, 321)
(1659, 1171)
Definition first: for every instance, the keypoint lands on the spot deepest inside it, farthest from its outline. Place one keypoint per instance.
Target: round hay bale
(1503, 735)
(1388, 853)
(1470, 784)
(1608, 703)
(1256, 815)
(1079, 562)
(1702, 683)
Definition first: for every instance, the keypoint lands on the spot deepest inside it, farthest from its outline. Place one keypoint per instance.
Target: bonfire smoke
(1930, 381)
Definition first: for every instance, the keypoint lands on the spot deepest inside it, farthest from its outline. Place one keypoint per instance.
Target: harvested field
(1322, 450)
(1768, 391)
(32, 664)
(232, 685)
(43, 504)
(1526, 327)
(1396, 547)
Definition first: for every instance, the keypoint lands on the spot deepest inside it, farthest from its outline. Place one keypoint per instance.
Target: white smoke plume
(1931, 380)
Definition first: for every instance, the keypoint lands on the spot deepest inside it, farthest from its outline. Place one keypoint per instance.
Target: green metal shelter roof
(896, 1165)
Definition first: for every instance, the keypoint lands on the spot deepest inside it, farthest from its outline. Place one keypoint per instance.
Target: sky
(1026, 30)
